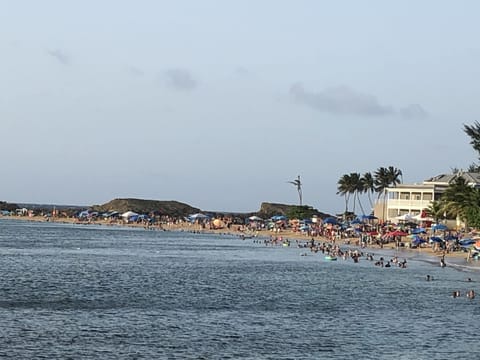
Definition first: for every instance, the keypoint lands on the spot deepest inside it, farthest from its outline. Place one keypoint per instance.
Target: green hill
(268, 210)
(141, 206)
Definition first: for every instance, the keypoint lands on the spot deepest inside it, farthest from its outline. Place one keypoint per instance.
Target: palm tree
(474, 132)
(462, 200)
(356, 188)
(344, 186)
(436, 209)
(298, 184)
(396, 176)
(368, 186)
(385, 178)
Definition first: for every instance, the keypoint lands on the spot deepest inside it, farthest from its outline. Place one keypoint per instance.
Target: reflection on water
(90, 292)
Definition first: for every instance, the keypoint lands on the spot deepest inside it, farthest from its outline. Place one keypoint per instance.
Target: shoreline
(457, 260)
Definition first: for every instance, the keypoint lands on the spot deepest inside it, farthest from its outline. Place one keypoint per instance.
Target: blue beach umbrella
(440, 227)
(330, 220)
(417, 240)
(419, 230)
(436, 239)
(466, 242)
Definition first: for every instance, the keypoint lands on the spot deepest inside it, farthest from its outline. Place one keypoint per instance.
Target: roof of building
(470, 178)
(400, 187)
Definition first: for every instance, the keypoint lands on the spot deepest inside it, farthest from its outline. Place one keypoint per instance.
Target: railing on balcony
(407, 204)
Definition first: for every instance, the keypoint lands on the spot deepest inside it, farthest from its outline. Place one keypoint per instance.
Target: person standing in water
(442, 261)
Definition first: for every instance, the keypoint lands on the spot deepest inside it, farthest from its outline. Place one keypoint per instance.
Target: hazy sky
(219, 103)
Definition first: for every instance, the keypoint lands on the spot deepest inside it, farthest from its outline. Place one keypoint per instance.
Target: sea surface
(90, 292)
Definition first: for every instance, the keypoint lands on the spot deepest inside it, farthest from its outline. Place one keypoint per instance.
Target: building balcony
(408, 204)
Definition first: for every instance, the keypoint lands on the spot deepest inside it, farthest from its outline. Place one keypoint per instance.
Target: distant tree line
(8, 206)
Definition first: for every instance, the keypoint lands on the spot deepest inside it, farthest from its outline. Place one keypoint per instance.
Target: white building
(413, 198)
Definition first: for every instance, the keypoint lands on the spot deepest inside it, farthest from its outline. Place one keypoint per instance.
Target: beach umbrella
(441, 227)
(404, 217)
(419, 230)
(217, 223)
(330, 220)
(436, 239)
(129, 214)
(418, 240)
(356, 221)
(279, 218)
(197, 216)
(466, 242)
(255, 218)
(369, 217)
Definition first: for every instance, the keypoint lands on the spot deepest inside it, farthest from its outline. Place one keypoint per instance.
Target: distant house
(413, 198)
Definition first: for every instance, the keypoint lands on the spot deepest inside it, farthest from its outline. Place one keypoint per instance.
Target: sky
(219, 104)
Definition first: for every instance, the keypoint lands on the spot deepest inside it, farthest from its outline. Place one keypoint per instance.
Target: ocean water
(88, 292)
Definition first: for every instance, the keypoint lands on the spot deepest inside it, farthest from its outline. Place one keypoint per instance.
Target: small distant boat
(330, 258)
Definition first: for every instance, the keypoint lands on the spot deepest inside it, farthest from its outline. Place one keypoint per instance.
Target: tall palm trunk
(360, 203)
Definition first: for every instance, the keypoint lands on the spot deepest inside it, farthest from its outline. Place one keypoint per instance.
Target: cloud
(59, 55)
(413, 111)
(340, 100)
(180, 79)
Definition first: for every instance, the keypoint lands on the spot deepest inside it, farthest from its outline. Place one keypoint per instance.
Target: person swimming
(456, 294)
(471, 294)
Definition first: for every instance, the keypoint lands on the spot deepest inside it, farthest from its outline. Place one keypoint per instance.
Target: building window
(427, 196)
(417, 196)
